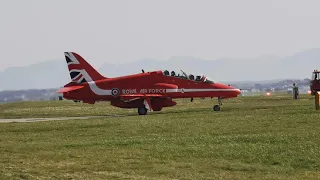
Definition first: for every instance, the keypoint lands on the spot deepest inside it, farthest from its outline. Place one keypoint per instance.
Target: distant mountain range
(53, 74)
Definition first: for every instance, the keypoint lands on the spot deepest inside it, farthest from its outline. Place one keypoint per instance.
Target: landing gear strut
(142, 110)
(217, 107)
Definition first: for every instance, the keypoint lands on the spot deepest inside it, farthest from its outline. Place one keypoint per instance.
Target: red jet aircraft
(145, 91)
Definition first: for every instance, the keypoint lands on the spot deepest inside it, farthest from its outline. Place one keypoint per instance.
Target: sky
(122, 31)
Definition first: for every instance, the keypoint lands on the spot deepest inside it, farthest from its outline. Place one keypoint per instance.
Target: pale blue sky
(121, 31)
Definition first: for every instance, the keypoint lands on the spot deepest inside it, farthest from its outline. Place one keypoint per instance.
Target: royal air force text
(143, 91)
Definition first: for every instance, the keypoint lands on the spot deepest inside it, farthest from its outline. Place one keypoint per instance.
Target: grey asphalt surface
(49, 119)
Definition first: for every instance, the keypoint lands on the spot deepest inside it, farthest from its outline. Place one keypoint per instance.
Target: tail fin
(81, 71)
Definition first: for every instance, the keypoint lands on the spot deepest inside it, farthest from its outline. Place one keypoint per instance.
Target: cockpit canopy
(183, 75)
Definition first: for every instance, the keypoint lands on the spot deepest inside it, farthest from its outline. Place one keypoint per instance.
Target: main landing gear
(142, 110)
(217, 107)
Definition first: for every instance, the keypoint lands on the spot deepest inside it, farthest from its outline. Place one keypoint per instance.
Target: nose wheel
(217, 107)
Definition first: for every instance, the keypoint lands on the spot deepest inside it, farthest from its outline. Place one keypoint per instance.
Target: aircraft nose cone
(238, 90)
(235, 91)
(228, 91)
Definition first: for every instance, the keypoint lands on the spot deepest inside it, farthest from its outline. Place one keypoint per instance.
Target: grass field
(250, 138)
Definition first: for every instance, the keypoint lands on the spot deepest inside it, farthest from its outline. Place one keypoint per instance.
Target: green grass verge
(250, 138)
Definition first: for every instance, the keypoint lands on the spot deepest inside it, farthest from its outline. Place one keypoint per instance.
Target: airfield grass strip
(250, 138)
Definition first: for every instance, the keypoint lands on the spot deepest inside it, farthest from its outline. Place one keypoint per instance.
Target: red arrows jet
(145, 91)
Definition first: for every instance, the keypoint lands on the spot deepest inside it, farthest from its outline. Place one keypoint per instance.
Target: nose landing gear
(217, 107)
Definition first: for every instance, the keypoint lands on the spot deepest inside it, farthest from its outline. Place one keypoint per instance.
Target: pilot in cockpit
(166, 72)
(191, 77)
(198, 78)
(173, 73)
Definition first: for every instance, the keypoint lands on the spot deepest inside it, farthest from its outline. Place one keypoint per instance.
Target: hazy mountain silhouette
(297, 66)
(53, 74)
(49, 74)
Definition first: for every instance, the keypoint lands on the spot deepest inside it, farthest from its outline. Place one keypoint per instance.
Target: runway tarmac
(50, 119)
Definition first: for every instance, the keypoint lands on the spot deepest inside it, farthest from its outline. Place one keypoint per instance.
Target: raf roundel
(115, 92)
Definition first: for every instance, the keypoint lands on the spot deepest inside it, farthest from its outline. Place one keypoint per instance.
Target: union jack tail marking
(80, 70)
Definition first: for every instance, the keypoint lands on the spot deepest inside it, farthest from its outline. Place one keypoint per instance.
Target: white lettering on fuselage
(143, 91)
(156, 91)
(129, 91)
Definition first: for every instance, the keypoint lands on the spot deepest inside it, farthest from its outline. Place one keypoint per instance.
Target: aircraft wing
(132, 97)
(68, 89)
(146, 97)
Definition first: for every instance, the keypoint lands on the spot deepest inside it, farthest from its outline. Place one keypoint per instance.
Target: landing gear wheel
(142, 111)
(216, 108)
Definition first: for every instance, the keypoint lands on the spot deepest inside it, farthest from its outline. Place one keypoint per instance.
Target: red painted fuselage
(152, 83)
(153, 90)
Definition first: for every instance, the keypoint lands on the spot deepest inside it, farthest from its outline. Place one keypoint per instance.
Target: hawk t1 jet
(146, 91)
